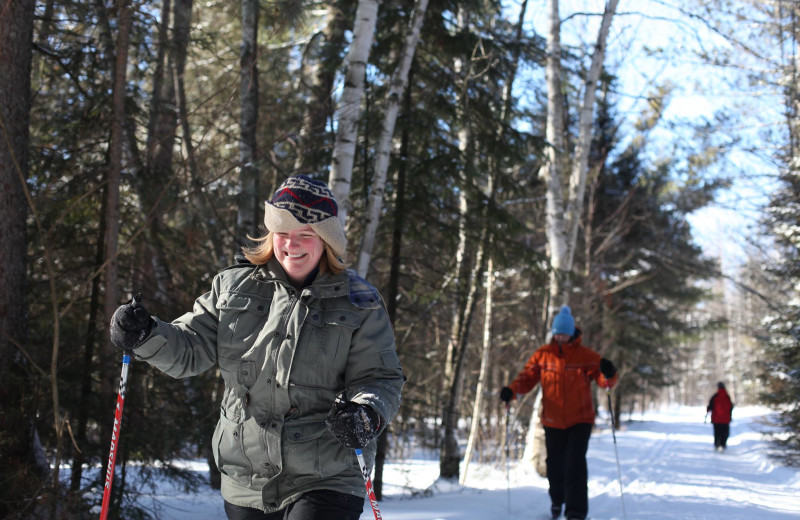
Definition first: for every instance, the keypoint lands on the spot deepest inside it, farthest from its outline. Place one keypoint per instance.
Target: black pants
(566, 468)
(721, 432)
(314, 505)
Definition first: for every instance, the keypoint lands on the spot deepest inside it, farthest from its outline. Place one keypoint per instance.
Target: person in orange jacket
(721, 408)
(565, 368)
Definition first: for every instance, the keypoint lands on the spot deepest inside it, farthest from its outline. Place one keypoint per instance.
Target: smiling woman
(293, 332)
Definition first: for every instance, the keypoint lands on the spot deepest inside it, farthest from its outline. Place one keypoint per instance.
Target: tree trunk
(344, 150)
(397, 87)
(477, 406)
(249, 211)
(16, 32)
(583, 146)
(319, 110)
(17, 414)
(394, 277)
(450, 457)
(113, 176)
(562, 217)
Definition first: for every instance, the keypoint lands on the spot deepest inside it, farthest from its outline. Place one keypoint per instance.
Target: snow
(668, 465)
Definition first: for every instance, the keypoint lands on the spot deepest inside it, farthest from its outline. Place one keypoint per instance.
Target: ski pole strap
(368, 482)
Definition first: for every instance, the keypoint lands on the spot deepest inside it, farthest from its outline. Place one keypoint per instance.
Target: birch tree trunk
(449, 458)
(551, 170)
(487, 325)
(583, 146)
(341, 174)
(563, 216)
(247, 217)
(477, 406)
(398, 84)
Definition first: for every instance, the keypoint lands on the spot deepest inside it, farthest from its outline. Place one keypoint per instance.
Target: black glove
(607, 368)
(353, 424)
(506, 394)
(131, 324)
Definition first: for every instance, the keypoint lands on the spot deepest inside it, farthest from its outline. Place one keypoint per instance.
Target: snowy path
(669, 470)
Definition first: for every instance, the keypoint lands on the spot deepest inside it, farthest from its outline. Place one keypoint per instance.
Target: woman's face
(298, 252)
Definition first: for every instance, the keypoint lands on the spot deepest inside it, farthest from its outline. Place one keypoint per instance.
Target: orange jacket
(565, 373)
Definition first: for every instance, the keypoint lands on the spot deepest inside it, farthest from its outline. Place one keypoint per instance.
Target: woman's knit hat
(301, 200)
(563, 323)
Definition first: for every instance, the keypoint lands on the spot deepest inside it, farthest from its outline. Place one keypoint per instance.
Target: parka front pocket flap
(305, 431)
(238, 302)
(343, 318)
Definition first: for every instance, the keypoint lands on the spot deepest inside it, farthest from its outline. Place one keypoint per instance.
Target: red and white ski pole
(368, 482)
(112, 456)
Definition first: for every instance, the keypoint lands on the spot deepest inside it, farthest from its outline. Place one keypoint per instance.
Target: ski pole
(368, 482)
(112, 456)
(616, 453)
(508, 474)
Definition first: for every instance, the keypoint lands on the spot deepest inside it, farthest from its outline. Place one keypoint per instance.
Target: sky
(668, 466)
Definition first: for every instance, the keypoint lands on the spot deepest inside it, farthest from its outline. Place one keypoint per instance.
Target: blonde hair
(263, 250)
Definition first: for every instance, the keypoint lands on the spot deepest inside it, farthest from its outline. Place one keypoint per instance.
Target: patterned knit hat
(563, 323)
(301, 200)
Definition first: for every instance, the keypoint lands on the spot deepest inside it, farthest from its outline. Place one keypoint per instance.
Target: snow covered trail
(670, 471)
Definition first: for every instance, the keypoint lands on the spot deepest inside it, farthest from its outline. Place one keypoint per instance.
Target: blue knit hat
(563, 323)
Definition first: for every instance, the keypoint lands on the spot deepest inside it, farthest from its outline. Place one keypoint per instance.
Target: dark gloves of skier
(353, 424)
(506, 394)
(131, 324)
(607, 368)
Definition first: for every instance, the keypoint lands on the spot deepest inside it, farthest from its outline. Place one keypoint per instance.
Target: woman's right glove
(506, 394)
(607, 368)
(131, 324)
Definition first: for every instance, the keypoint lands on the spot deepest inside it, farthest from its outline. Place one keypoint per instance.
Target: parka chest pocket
(327, 333)
(241, 318)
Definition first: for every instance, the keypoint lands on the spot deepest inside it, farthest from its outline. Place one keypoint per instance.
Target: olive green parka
(285, 355)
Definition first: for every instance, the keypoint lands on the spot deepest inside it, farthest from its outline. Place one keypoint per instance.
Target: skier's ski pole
(508, 477)
(616, 453)
(368, 482)
(112, 456)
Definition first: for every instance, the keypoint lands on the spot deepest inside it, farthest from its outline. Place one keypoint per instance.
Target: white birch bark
(477, 406)
(580, 165)
(551, 170)
(344, 149)
(397, 87)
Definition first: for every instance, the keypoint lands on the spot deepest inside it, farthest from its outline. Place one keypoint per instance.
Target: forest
(492, 161)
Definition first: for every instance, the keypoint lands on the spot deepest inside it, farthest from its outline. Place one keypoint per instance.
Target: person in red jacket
(565, 369)
(720, 407)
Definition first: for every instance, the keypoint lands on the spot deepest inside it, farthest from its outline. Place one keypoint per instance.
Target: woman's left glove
(353, 424)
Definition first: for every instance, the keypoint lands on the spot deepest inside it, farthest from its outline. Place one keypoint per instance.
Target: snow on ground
(669, 472)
